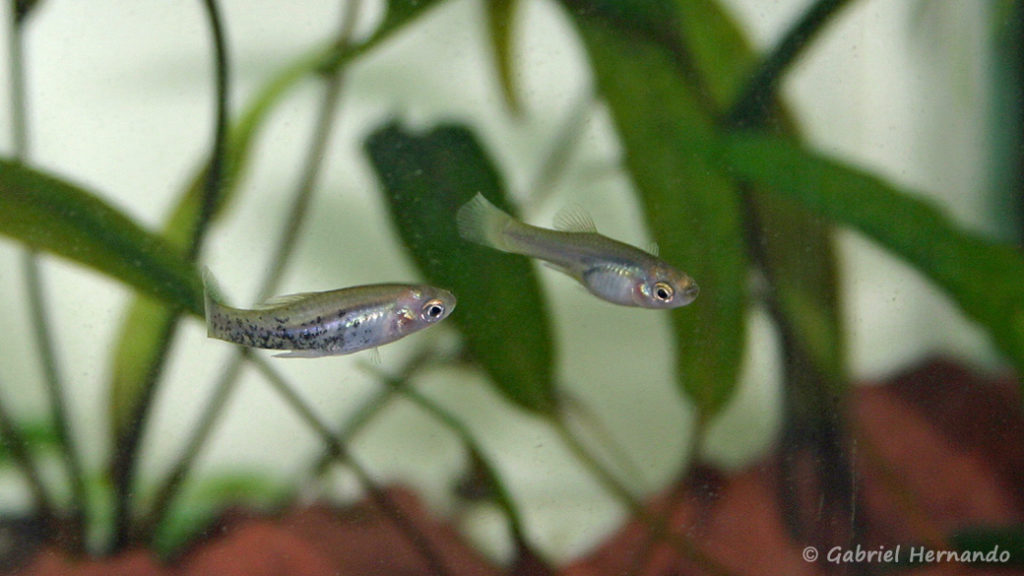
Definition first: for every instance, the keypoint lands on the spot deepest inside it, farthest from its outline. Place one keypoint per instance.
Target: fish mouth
(690, 292)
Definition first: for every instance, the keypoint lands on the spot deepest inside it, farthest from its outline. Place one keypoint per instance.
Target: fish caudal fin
(484, 223)
(211, 303)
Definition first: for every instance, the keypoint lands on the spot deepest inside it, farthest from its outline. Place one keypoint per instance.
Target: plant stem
(15, 442)
(37, 301)
(314, 160)
(374, 405)
(214, 175)
(339, 451)
(813, 412)
(566, 143)
(657, 525)
(58, 406)
(125, 459)
(400, 385)
(171, 486)
(754, 105)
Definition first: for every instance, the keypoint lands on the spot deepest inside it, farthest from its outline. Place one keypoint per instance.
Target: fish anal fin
(304, 354)
(375, 358)
(573, 218)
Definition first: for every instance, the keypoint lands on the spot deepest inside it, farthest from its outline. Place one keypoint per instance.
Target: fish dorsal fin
(653, 249)
(278, 301)
(573, 218)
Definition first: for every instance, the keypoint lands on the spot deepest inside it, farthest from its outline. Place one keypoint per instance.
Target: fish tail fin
(484, 223)
(212, 304)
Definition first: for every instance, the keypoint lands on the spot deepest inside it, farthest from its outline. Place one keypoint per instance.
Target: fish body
(329, 323)
(609, 269)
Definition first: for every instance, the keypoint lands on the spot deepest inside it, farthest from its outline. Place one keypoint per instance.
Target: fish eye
(433, 310)
(663, 291)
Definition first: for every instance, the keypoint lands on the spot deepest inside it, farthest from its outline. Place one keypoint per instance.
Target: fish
(611, 270)
(330, 323)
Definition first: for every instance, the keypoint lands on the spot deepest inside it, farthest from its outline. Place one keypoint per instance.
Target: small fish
(331, 323)
(611, 270)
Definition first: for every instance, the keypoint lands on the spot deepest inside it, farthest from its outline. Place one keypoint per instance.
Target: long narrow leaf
(50, 214)
(501, 21)
(692, 209)
(399, 13)
(985, 278)
(501, 312)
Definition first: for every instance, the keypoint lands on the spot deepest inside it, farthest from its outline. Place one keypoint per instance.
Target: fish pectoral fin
(375, 358)
(573, 218)
(283, 300)
(613, 283)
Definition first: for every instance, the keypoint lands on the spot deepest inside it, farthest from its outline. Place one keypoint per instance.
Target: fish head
(663, 286)
(423, 306)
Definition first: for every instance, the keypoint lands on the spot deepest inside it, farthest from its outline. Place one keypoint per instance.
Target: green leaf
(501, 16)
(149, 323)
(717, 47)
(693, 210)
(500, 312)
(983, 277)
(796, 245)
(50, 214)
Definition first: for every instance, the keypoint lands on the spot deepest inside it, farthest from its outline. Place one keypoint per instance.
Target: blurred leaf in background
(693, 211)
(425, 179)
(983, 277)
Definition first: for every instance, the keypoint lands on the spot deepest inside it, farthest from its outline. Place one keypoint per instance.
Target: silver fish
(609, 269)
(331, 323)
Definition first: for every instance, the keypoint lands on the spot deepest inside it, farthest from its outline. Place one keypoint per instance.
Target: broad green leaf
(692, 209)
(425, 179)
(796, 245)
(50, 214)
(986, 279)
(501, 19)
(148, 322)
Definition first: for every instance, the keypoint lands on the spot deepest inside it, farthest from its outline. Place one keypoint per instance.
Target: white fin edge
(303, 354)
